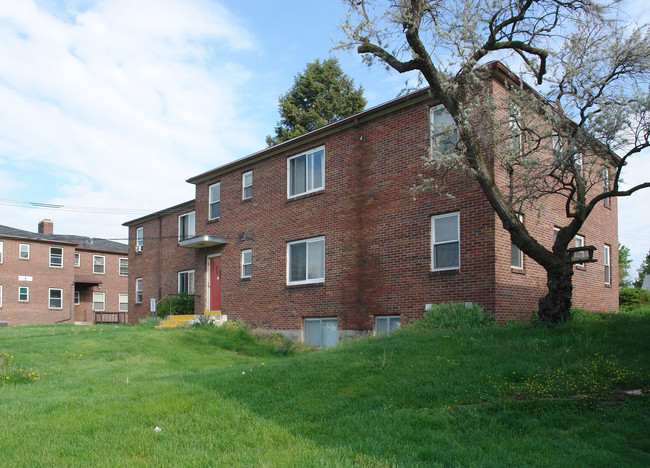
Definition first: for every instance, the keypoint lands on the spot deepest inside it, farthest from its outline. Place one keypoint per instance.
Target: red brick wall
(377, 237)
(44, 277)
(518, 291)
(159, 261)
(112, 284)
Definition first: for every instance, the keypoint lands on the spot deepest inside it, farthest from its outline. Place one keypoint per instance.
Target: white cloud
(117, 105)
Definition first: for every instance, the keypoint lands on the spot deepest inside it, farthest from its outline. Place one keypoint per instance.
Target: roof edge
(165, 211)
(364, 116)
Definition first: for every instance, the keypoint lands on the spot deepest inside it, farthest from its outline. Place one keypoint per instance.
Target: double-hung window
(321, 332)
(56, 257)
(607, 264)
(606, 184)
(579, 242)
(516, 135)
(215, 201)
(516, 255)
(139, 239)
(246, 263)
(444, 132)
(2, 251)
(186, 281)
(138, 290)
(77, 297)
(56, 298)
(23, 251)
(99, 264)
(445, 242)
(99, 301)
(306, 172)
(306, 261)
(123, 302)
(77, 260)
(247, 185)
(23, 294)
(186, 226)
(124, 267)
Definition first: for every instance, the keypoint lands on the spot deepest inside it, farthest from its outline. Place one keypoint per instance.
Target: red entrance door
(215, 283)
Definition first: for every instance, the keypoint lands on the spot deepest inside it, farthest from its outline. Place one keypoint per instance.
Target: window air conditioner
(138, 248)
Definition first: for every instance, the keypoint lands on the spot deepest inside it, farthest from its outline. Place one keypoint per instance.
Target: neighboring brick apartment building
(52, 278)
(321, 237)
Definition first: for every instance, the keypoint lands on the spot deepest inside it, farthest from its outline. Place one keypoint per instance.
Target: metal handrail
(154, 313)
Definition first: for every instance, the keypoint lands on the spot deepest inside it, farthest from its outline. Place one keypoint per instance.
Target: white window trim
(191, 217)
(607, 264)
(606, 201)
(579, 163)
(211, 201)
(433, 134)
(2, 252)
(103, 301)
(23, 287)
(433, 241)
(139, 238)
(516, 135)
(77, 298)
(178, 277)
(306, 241)
(244, 186)
(120, 302)
(119, 263)
(243, 275)
(77, 259)
(20, 251)
(103, 265)
(306, 155)
(580, 238)
(62, 253)
(49, 299)
(521, 253)
(139, 282)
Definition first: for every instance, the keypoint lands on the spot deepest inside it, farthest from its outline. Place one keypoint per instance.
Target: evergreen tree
(321, 95)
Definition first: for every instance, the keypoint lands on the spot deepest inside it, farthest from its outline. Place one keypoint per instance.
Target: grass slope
(489, 396)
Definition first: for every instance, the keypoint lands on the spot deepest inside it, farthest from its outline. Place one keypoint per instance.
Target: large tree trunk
(555, 307)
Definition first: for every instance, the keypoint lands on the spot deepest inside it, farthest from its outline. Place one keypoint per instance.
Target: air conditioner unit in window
(138, 248)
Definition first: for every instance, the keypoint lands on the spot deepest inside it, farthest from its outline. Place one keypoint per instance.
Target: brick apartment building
(51, 278)
(321, 238)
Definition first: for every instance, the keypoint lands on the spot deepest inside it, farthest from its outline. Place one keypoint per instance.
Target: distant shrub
(632, 298)
(455, 315)
(145, 323)
(236, 325)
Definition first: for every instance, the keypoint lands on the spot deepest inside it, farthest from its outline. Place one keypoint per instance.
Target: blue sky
(112, 105)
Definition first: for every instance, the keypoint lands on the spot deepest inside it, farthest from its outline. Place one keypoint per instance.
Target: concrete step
(177, 321)
(181, 317)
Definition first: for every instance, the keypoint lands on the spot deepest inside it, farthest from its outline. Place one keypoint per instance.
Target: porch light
(583, 254)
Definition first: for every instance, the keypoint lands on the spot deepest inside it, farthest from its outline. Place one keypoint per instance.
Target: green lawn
(490, 396)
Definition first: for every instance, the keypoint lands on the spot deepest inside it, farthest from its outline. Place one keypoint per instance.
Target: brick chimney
(46, 227)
